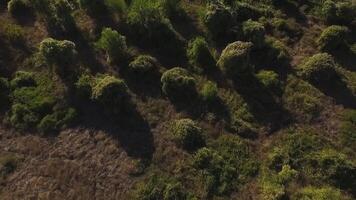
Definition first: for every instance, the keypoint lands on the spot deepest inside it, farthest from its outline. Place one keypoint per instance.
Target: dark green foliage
(199, 54)
(218, 19)
(275, 53)
(188, 134)
(14, 33)
(59, 53)
(244, 11)
(93, 7)
(8, 164)
(143, 65)
(225, 165)
(209, 92)
(319, 68)
(84, 86)
(235, 59)
(160, 188)
(332, 38)
(338, 12)
(109, 92)
(177, 83)
(269, 79)
(18, 7)
(60, 119)
(23, 79)
(348, 128)
(254, 32)
(114, 44)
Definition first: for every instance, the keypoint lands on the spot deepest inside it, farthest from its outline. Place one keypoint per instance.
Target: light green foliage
(315, 193)
(254, 32)
(209, 92)
(218, 19)
(318, 68)
(59, 53)
(188, 134)
(332, 38)
(113, 43)
(110, 92)
(235, 59)
(225, 165)
(243, 122)
(269, 79)
(18, 7)
(143, 65)
(177, 83)
(160, 187)
(199, 54)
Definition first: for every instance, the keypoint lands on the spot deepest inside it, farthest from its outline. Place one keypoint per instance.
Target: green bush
(315, 193)
(58, 120)
(199, 54)
(187, 134)
(84, 86)
(143, 65)
(338, 12)
(254, 32)
(113, 44)
(110, 92)
(22, 118)
(275, 53)
(225, 165)
(18, 7)
(218, 19)
(318, 68)
(269, 79)
(209, 92)
(59, 53)
(93, 7)
(235, 59)
(23, 79)
(245, 11)
(348, 128)
(13, 33)
(332, 38)
(177, 83)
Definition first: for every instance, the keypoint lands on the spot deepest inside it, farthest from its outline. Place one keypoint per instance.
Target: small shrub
(275, 53)
(348, 128)
(199, 54)
(187, 134)
(209, 92)
(110, 92)
(59, 53)
(254, 32)
(177, 83)
(217, 19)
(23, 79)
(332, 38)
(22, 118)
(315, 193)
(13, 33)
(143, 65)
(235, 59)
(18, 8)
(84, 86)
(269, 79)
(318, 68)
(58, 120)
(113, 44)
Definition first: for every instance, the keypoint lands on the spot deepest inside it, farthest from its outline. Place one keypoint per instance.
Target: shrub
(245, 11)
(18, 7)
(23, 79)
(177, 83)
(314, 193)
(338, 12)
(332, 38)
(58, 120)
(235, 59)
(109, 92)
(269, 79)
(254, 32)
(22, 118)
(348, 128)
(59, 53)
(143, 65)
(199, 54)
(187, 134)
(218, 19)
(275, 53)
(318, 68)
(84, 86)
(209, 92)
(113, 44)
(13, 33)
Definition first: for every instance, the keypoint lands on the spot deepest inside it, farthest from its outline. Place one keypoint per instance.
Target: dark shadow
(263, 104)
(130, 129)
(27, 18)
(338, 90)
(291, 10)
(185, 25)
(345, 57)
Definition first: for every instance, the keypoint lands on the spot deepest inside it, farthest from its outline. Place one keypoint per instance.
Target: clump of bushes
(275, 53)
(225, 165)
(318, 68)
(332, 38)
(235, 59)
(177, 84)
(348, 128)
(199, 54)
(209, 92)
(187, 134)
(143, 65)
(254, 32)
(218, 19)
(13, 33)
(269, 79)
(61, 54)
(23, 79)
(114, 44)
(317, 193)
(18, 7)
(338, 12)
